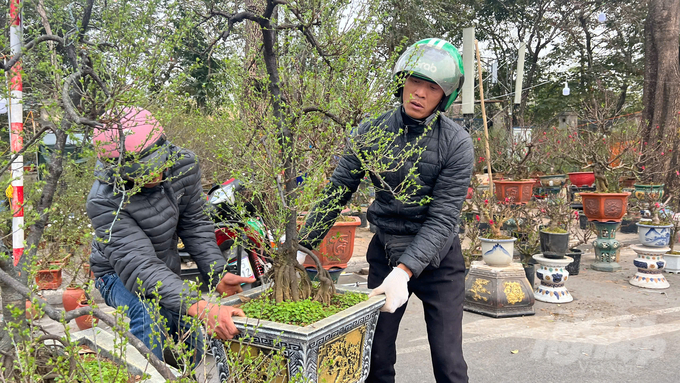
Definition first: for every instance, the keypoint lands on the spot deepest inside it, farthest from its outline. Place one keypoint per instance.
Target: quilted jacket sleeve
(448, 196)
(132, 255)
(197, 230)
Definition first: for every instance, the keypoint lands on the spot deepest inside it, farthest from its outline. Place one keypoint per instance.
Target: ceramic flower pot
(580, 179)
(72, 297)
(649, 193)
(498, 252)
(515, 191)
(654, 235)
(337, 246)
(604, 207)
(553, 180)
(85, 321)
(554, 245)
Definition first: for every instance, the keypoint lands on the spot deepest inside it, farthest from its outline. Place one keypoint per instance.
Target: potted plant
(655, 226)
(555, 237)
(75, 295)
(512, 157)
(497, 247)
(528, 219)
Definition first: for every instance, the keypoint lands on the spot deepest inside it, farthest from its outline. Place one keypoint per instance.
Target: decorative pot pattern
(48, 279)
(337, 246)
(335, 349)
(604, 207)
(498, 292)
(607, 247)
(650, 264)
(515, 191)
(498, 252)
(552, 274)
(654, 235)
(649, 193)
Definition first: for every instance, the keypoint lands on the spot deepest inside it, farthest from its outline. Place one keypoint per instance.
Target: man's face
(421, 97)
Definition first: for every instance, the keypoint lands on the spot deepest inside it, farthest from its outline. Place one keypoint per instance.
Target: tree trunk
(661, 93)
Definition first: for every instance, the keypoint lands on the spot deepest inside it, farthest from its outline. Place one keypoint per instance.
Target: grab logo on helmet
(426, 66)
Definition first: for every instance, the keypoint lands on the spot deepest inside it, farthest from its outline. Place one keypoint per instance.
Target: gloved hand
(301, 256)
(395, 288)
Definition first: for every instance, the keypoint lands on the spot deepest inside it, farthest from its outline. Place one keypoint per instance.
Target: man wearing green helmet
(416, 248)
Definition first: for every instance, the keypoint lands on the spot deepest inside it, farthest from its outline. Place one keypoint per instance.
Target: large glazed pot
(515, 191)
(649, 193)
(336, 349)
(498, 252)
(604, 207)
(580, 179)
(654, 235)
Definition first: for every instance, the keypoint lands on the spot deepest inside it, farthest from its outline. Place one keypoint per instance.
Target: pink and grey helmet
(146, 149)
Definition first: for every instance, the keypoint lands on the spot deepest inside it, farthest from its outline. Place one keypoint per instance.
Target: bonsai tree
(528, 219)
(496, 214)
(305, 82)
(559, 214)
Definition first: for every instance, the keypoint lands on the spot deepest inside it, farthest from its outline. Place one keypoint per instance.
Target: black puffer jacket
(431, 215)
(140, 242)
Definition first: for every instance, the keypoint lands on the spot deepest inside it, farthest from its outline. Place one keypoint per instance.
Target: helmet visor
(152, 162)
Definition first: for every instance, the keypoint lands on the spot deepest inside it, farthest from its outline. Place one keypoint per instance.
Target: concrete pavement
(612, 332)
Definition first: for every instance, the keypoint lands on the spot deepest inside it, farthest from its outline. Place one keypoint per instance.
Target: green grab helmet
(434, 60)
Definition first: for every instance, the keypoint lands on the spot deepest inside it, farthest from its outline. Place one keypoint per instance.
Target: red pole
(16, 120)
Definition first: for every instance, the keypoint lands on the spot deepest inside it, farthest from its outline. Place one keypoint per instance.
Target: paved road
(612, 332)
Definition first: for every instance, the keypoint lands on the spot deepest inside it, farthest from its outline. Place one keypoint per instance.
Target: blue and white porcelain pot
(654, 235)
(498, 252)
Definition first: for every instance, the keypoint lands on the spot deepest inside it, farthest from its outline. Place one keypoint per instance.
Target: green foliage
(103, 370)
(299, 313)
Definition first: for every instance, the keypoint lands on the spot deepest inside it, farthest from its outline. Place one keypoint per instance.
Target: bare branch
(40, 39)
(338, 120)
(26, 146)
(310, 37)
(68, 105)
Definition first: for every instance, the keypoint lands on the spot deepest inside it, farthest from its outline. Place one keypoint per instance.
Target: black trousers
(442, 291)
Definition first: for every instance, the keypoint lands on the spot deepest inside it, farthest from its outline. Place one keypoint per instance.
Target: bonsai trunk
(287, 285)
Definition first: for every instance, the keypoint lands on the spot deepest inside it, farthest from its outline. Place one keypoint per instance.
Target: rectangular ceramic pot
(338, 347)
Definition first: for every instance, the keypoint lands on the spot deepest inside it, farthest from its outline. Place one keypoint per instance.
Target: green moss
(554, 230)
(299, 313)
(491, 236)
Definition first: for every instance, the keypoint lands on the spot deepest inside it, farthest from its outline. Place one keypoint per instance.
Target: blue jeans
(115, 294)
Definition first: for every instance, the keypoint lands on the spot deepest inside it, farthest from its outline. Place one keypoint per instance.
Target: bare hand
(231, 284)
(217, 318)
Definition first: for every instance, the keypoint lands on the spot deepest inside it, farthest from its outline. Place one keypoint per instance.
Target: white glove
(395, 288)
(301, 256)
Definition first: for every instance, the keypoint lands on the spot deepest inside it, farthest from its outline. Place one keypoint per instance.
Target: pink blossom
(477, 217)
(507, 199)
(643, 168)
(491, 222)
(479, 138)
(544, 133)
(657, 205)
(570, 136)
(486, 201)
(677, 173)
(662, 153)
